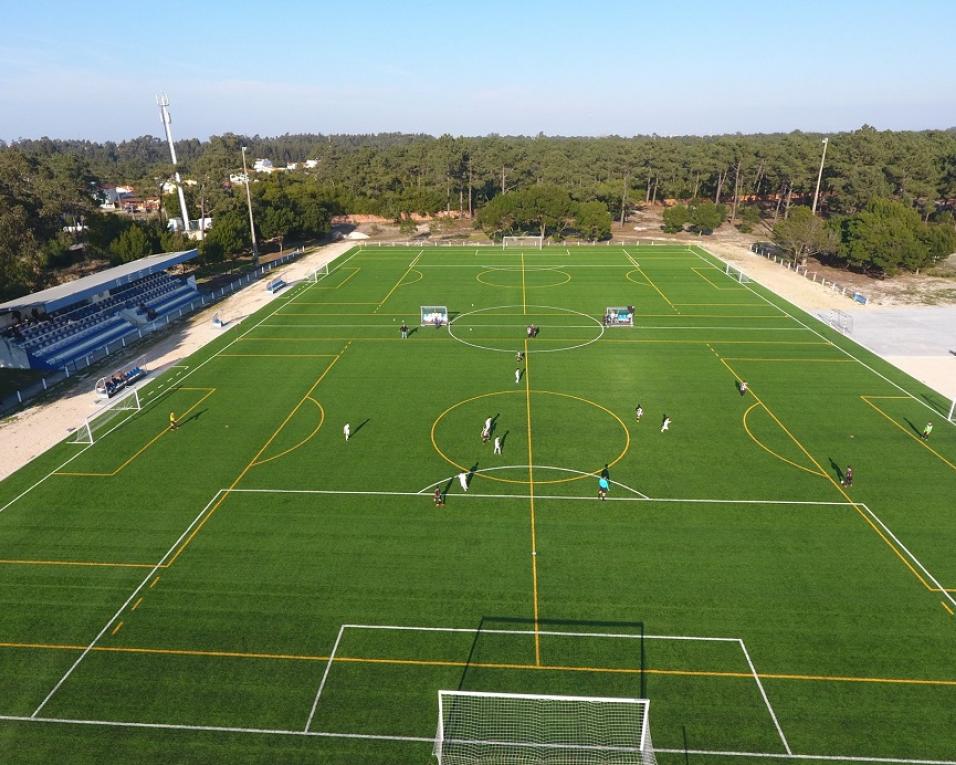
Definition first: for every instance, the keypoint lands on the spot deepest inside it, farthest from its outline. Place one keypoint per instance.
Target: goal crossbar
(522, 241)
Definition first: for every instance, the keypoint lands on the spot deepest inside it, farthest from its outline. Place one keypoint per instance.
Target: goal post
(736, 274)
(434, 315)
(475, 728)
(318, 274)
(95, 425)
(619, 316)
(535, 242)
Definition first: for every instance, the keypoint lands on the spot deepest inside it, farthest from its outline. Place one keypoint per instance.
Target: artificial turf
(177, 595)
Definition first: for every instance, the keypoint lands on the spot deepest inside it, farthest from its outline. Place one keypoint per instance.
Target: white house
(311, 164)
(292, 166)
(238, 179)
(263, 166)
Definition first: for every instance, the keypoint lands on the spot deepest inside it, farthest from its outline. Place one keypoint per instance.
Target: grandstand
(53, 328)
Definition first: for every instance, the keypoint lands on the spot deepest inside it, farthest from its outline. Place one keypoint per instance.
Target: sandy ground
(32, 431)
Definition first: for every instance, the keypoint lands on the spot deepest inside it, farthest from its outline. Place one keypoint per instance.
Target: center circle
(503, 328)
(518, 277)
(568, 425)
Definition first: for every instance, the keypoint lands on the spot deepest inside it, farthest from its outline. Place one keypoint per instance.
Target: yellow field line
(276, 355)
(709, 316)
(401, 279)
(767, 448)
(103, 564)
(721, 305)
(304, 440)
(154, 439)
(836, 485)
(136, 604)
(658, 289)
(912, 435)
(945, 605)
(222, 497)
(153, 583)
(534, 539)
(477, 665)
(117, 628)
(353, 269)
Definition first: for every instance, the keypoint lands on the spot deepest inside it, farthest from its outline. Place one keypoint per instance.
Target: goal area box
(434, 315)
(535, 242)
(619, 316)
(526, 729)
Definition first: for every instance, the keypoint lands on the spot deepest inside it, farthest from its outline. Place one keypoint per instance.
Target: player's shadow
(915, 429)
(836, 469)
(194, 416)
(494, 423)
(413, 330)
(504, 437)
(737, 385)
(361, 425)
(472, 471)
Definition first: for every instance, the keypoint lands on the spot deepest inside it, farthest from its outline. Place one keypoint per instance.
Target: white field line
(551, 633)
(120, 610)
(689, 500)
(633, 262)
(144, 392)
(839, 348)
(799, 757)
(431, 740)
(219, 729)
(763, 694)
(540, 467)
(325, 676)
(904, 548)
(556, 326)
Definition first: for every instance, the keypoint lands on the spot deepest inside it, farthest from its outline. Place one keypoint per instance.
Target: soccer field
(252, 588)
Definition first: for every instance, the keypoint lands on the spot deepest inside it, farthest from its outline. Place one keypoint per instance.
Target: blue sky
(88, 70)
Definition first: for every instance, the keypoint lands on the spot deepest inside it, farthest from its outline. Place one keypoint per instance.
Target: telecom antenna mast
(163, 103)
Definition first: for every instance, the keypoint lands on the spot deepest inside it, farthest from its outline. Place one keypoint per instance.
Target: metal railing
(775, 254)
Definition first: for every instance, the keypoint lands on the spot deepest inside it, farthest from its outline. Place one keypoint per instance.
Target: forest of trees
(884, 203)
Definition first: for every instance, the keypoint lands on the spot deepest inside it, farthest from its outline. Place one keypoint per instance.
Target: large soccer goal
(318, 274)
(736, 274)
(619, 316)
(434, 315)
(109, 413)
(526, 242)
(476, 728)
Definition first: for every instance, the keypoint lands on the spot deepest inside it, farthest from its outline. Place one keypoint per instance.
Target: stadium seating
(69, 334)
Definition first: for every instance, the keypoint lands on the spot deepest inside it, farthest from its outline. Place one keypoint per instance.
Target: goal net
(536, 242)
(435, 315)
(840, 321)
(120, 378)
(619, 316)
(736, 274)
(523, 729)
(112, 412)
(318, 274)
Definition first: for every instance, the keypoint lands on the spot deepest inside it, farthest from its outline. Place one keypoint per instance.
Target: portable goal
(536, 242)
(619, 316)
(97, 424)
(434, 315)
(736, 274)
(318, 274)
(218, 321)
(524, 729)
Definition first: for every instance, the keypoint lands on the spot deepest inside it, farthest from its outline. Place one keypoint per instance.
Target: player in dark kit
(848, 477)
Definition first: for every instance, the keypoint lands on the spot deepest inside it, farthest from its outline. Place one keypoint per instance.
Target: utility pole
(823, 158)
(163, 103)
(252, 225)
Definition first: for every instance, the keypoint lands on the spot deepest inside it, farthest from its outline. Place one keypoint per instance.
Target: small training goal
(318, 274)
(434, 315)
(619, 316)
(476, 728)
(736, 274)
(525, 242)
(840, 321)
(112, 412)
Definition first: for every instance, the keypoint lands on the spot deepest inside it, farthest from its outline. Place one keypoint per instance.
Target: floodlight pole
(952, 410)
(252, 225)
(823, 158)
(163, 103)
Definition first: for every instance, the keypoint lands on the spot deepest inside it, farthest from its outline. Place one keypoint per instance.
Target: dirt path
(29, 433)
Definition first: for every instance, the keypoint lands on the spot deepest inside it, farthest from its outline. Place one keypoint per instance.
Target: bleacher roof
(64, 295)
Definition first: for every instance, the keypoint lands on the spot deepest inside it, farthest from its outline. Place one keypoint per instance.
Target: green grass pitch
(252, 588)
